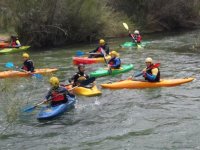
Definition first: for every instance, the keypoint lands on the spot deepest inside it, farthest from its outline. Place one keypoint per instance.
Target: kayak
(14, 73)
(86, 60)
(131, 84)
(131, 44)
(4, 44)
(105, 72)
(13, 50)
(49, 112)
(85, 91)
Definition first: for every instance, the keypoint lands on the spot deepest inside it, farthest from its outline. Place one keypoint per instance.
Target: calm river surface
(127, 119)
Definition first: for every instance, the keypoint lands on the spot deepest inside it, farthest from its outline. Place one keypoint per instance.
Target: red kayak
(4, 45)
(86, 60)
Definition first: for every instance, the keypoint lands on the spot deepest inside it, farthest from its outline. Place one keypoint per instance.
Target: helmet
(25, 55)
(114, 53)
(54, 81)
(81, 65)
(101, 41)
(148, 60)
(136, 32)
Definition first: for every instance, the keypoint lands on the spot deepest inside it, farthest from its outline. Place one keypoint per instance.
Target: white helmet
(148, 60)
(136, 32)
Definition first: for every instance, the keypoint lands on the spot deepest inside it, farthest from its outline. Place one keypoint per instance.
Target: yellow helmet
(25, 55)
(114, 53)
(148, 60)
(54, 81)
(102, 41)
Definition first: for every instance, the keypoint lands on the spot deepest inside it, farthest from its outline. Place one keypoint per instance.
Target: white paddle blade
(125, 26)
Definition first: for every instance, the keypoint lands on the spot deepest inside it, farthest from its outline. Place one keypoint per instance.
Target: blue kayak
(49, 112)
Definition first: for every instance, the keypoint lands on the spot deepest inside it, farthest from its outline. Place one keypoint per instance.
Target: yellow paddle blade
(125, 26)
(139, 46)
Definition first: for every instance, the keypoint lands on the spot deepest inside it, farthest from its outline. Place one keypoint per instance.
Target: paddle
(154, 66)
(81, 53)
(83, 83)
(127, 28)
(11, 65)
(104, 57)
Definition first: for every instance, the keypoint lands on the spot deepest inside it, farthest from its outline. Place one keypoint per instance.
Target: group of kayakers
(58, 93)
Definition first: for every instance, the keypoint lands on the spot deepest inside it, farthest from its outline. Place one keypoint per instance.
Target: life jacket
(101, 50)
(113, 61)
(150, 72)
(13, 44)
(56, 96)
(138, 38)
(27, 66)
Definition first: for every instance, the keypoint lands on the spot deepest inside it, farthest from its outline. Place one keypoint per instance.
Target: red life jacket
(13, 44)
(25, 68)
(56, 96)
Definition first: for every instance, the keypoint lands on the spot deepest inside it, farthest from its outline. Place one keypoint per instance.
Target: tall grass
(56, 22)
(158, 15)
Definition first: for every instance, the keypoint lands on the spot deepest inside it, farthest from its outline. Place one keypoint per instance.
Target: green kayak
(13, 50)
(131, 44)
(105, 72)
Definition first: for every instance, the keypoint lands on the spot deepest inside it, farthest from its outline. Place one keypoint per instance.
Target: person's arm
(48, 95)
(31, 66)
(107, 50)
(94, 51)
(152, 77)
(117, 62)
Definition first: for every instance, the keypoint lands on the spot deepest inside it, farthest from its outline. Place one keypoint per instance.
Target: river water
(127, 119)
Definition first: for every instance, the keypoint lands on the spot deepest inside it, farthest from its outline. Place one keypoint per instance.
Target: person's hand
(108, 65)
(144, 70)
(144, 74)
(45, 101)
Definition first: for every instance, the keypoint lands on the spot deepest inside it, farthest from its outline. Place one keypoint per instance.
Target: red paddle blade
(156, 65)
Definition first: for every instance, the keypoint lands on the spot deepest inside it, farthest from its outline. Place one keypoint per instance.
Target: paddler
(101, 51)
(15, 41)
(115, 61)
(79, 76)
(57, 94)
(28, 64)
(151, 73)
(136, 37)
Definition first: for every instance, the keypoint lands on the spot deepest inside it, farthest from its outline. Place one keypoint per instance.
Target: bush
(56, 22)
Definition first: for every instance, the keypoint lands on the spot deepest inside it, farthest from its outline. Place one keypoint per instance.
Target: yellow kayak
(131, 84)
(13, 73)
(85, 91)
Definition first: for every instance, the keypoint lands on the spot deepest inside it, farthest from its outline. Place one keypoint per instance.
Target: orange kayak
(131, 84)
(13, 73)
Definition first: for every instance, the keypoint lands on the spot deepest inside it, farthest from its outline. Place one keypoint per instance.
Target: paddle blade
(80, 53)
(37, 76)
(9, 65)
(125, 26)
(29, 109)
(88, 81)
(139, 46)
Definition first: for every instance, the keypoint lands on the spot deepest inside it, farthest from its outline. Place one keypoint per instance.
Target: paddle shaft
(153, 66)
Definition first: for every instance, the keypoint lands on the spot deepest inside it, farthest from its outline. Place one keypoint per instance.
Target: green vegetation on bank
(44, 23)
